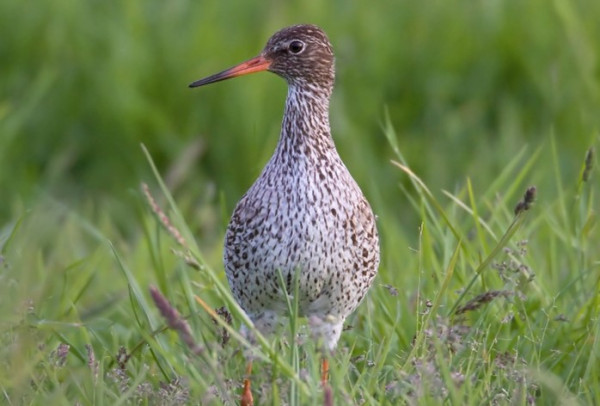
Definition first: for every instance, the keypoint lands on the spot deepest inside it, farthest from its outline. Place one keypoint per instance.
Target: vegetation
(446, 113)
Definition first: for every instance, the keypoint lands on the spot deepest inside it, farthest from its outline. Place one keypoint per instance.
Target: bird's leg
(324, 370)
(264, 322)
(326, 330)
(247, 399)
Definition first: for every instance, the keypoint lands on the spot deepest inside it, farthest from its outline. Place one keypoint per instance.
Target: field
(472, 128)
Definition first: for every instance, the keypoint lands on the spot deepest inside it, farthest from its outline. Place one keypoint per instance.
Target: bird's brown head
(302, 54)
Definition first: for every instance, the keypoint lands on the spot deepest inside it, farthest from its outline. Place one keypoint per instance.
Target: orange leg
(247, 399)
(324, 371)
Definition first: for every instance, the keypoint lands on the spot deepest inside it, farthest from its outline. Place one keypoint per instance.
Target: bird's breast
(314, 221)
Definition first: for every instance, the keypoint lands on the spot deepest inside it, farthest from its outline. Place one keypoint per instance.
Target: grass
(493, 307)
(445, 113)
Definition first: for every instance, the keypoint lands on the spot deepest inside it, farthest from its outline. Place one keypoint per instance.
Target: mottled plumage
(305, 212)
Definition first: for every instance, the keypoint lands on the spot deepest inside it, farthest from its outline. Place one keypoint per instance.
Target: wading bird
(305, 213)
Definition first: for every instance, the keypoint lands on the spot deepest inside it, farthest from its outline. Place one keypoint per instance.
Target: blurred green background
(465, 84)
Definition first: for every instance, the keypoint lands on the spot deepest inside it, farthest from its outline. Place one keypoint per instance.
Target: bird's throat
(305, 127)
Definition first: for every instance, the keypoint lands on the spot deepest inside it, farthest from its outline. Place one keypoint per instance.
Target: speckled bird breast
(304, 213)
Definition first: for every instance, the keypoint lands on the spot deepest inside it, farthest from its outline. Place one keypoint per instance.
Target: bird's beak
(257, 64)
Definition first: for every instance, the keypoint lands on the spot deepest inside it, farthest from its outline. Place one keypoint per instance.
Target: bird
(305, 213)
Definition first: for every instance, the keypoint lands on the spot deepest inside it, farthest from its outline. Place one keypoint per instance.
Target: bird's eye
(296, 47)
